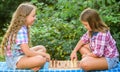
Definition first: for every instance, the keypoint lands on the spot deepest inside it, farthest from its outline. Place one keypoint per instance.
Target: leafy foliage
(58, 27)
(58, 37)
(7, 7)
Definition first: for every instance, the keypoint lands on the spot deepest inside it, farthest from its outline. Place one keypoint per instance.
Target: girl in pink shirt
(97, 46)
(16, 42)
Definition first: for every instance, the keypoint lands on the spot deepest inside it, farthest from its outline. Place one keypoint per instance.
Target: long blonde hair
(18, 20)
(95, 22)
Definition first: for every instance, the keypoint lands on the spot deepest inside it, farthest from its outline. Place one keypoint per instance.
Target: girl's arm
(29, 52)
(74, 52)
(78, 46)
(92, 55)
(89, 54)
(84, 39)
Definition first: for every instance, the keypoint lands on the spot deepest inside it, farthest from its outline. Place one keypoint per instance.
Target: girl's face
(86, 25)
(31, 18)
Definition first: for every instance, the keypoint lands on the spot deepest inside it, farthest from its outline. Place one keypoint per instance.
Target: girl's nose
(35, 18)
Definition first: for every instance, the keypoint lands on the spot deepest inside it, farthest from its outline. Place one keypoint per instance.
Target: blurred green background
(57, 26)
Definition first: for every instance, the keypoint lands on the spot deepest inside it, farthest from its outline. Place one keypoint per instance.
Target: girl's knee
(42, 47)
(84, 65)
(40, 59)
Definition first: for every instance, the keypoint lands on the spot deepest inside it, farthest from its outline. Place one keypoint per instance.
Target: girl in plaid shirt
(16, 41)
(97, 46)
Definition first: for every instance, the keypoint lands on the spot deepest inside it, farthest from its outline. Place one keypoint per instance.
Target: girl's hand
(73, 55)
(89, 54)
(84, 55)
(47, 56)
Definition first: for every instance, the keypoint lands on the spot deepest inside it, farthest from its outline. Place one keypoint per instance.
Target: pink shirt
(101, 44)
(21, 38)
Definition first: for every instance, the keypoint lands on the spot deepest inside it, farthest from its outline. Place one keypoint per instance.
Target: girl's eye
(85, 25)
(34, 15)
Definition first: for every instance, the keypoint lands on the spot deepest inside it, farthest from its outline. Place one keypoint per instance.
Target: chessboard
(63, 64)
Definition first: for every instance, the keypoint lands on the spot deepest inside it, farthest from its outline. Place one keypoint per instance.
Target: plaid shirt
(101, 44)
(22, 37)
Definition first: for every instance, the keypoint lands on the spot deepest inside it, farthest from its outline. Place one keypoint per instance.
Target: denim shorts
(12, 61)
(112, 62)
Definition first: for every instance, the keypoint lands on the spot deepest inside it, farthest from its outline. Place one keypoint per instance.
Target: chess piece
(55, 63)
(50, 65)
(63, 64)
(71, 63)
(74, 63)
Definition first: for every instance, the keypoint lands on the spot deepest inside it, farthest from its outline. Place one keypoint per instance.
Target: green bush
(58, 27)
(57, 36)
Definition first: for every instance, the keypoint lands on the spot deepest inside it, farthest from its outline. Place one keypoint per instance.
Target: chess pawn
(68, 65)
(63, 64)
(59, 64)
(74, 63)
(50, 65)
(71, 64)
(53, 63)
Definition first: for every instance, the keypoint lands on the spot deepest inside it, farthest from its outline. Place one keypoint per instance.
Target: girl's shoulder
(104, 34)
(23, 29)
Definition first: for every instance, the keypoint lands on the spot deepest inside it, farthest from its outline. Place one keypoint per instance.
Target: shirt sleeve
(98, 43)
(22, 36)
(85, 38)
